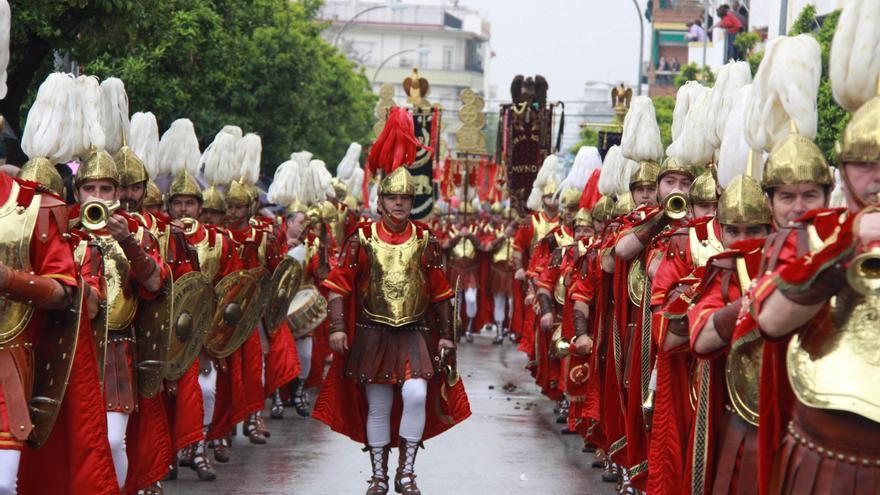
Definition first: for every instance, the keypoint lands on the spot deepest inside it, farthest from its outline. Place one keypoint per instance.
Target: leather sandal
(222, 451)
(203, 468)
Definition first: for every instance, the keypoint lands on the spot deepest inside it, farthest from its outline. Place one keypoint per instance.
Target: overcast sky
(567, 41)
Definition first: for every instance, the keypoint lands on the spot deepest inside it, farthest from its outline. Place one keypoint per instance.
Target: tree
(663, 107)
(691, 72)
(258, 64)
(589, 137)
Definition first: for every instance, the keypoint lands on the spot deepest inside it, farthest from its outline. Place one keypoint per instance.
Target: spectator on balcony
(742, 13)
(662, 73)
(695, 31)
(674, 66)
(732, 26)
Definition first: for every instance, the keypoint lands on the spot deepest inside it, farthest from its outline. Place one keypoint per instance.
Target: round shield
(192, 309)
(236, 298)
(151, 340)
(635, 282)
(283, 286)
(53, 360)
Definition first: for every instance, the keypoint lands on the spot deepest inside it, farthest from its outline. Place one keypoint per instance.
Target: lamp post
(420, 50)
(641, 44)
(392, 6)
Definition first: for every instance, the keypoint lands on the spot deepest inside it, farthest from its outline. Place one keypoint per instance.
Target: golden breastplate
(502, 255)
(541, 228)
(702, 250)
(16, 229)
(463, 250)
(742, 372)
(122, 302)
(559, 288)
(397, 291)
(209, 256)
(837, 368)
(338, 226)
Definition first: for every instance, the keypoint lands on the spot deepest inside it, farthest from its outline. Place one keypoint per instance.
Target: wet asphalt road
(510, 445)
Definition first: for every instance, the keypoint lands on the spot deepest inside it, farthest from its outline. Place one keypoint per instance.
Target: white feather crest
(114, 114)
(5, 32)
(549, 171)
(785, 90)
(250, 151)
(90, 108)
(584, 163)
(179, 148)
(349, 163)
(854, 64)
(144, 141)
(285, 185)
(731, 77)
(219, 160)
(233, 130)
(356, 184)
(838, 198)
(608, 177)
(692, 147)
(684, 98)
(641, 134)
(626, 169)
(301, 157)
(322, 180)
(733, 158)
(53, 128)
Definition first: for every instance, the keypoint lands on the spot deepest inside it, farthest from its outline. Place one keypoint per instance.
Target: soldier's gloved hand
(868, 227)
(92, 301)
(118, 227)
(547, 321)
(339, 342)
(520, 274)
(445, 344)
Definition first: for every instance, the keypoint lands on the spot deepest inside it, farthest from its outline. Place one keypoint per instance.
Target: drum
(306, 312)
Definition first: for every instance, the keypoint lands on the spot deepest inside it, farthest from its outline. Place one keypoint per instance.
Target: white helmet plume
(144, 141)
(549, 171)
(731, 77)
(92, 133)
(53, 127)
(641, 134)
(114, 114)
(179, 148)
(5, 31)
(609, 176)
(785, 90)
(250, 151)
(734, 156)
(219, 160)
(285, 184)
(854, 64)
(586, 160)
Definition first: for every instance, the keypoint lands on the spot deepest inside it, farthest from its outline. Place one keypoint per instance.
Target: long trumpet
(95, 213)
(863, 273)
(675, 206)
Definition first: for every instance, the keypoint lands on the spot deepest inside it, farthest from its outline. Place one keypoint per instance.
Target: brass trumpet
(449, 367)
(675, 206)
(95, 213)
(863, 273)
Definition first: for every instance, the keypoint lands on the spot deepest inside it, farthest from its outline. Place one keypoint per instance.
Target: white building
(446, 42)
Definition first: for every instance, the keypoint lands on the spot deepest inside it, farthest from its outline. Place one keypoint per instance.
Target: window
(447, 57)
(423, 59)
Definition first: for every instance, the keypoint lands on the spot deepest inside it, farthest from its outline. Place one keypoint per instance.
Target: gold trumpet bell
(675, 206)
(95, 213)
(863, 273)
(562, 348)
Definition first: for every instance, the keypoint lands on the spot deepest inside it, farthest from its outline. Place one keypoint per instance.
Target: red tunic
(342, 404)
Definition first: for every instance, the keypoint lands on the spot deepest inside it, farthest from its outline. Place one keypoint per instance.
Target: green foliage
(832, 118)
(663, 107)
(745, 42)
(589, 137)
(754, 60)
(258, 64)
(692, 72)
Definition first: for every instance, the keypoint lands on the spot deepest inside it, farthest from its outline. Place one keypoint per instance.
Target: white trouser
(500, 309)
(470, 302)
(208, 383)
(304, 351)
(380, 398)
(117, 422)
(9, 460)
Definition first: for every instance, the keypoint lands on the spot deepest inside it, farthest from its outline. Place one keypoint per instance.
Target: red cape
(282, 363)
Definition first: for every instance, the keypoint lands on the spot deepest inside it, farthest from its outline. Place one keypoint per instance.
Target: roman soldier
(816, 300)
(390, 314)
(463, 264)
(497, 242)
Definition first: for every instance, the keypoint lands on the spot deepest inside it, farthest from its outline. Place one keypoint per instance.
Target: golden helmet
(743, 202)
(796, 160)
(624, 205)
(238, 194)
(569, 198)
(184, 184)
(352, 203)
(42, 171)
(465, 208)
(549, 188)
(400, 181)
(603, 210)
(98, 165)
(153, 196)
(672, 164)
(584, 218)
(297, 207)
(339, 188)
(131, 168)
(704, 188)
(646, 174)
(327, 211)
(860, 140)
(212, 199)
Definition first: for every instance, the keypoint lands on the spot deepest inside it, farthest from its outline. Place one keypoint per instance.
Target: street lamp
(394, 6)
(641, 44)
(422, 50)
